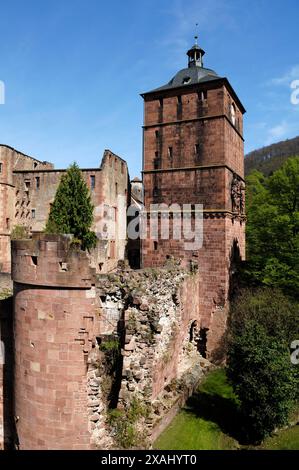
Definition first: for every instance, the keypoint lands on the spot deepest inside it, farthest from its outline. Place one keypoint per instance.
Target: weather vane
(196, 35)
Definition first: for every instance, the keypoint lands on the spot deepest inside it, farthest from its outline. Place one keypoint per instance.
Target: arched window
(233, 113)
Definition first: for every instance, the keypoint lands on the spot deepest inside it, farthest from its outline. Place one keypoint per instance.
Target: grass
(192, 433)
(287, 439)
(210, 421)
(5, 294)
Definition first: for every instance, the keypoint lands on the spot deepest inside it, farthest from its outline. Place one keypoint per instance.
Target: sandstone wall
(28, 187)
(55, 320)
(157, 315)
(11, 160)
(193, 154)
(68, 322)
(6, 373)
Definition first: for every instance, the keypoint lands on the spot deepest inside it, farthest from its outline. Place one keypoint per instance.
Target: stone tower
(55, 325)
(193, 154)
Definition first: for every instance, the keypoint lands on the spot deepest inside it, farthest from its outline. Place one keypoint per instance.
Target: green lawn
(285, 440)
(210, 422)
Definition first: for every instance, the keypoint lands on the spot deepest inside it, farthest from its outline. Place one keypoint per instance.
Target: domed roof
(195, 72)
(190, 76)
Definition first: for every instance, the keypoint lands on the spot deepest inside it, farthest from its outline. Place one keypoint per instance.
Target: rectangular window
(1, 167)
(170, 152)
(116, 189)
(27, 184)
(155, 246)
(202, 95)
(179, 108)
(8, 223)
(33, 213)
(160, 110)
(156, 192)
(37, 182)
(157, 134)
(34, 260)
(92, 182)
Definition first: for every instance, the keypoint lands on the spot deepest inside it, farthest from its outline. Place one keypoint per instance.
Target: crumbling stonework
(161, 363)
(28, 187)
(86, 345)
(105, 360)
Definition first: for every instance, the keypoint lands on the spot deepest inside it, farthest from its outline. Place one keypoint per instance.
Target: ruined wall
(86, 344)
(28, 187)
(156, 313)
(11, 160)
(55, 320)
(112, 209)
(36, 192)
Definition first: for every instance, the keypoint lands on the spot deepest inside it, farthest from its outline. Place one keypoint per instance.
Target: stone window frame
(92, 182)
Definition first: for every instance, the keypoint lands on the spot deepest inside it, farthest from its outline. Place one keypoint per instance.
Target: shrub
(124, 424)
(261, 328)
(19, 232)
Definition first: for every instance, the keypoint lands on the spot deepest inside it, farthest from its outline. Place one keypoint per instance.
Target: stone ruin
(89, 348)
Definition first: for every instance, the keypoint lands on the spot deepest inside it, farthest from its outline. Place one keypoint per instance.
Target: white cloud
(281, 131)
(287, 78)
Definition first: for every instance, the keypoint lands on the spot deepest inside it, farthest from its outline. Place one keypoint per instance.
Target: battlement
(51, 260)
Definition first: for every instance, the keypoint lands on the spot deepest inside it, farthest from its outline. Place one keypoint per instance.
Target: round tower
(54, 328)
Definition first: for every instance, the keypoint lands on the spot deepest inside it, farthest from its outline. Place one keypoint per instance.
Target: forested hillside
(269, 159)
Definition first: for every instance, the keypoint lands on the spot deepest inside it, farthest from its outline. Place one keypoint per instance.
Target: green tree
(262, 326)
(72, 209)
(272, 231)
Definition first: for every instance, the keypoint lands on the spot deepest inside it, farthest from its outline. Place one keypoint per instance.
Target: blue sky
(73, 69)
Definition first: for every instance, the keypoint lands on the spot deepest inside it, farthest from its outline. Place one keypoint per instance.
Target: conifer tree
(72, 209)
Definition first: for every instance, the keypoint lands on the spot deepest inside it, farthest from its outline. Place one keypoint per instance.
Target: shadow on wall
(235, 261)
(6, 337)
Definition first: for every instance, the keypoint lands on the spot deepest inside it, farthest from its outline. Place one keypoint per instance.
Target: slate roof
(189, 76)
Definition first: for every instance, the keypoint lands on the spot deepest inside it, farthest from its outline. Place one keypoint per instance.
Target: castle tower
(55, 325)
(193, 154)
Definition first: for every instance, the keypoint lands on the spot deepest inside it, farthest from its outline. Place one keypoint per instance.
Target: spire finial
(195, 54)
(196, 34)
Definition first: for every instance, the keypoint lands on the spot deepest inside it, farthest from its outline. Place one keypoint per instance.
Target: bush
(19, 232)
(261, 327)
(124, 424)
